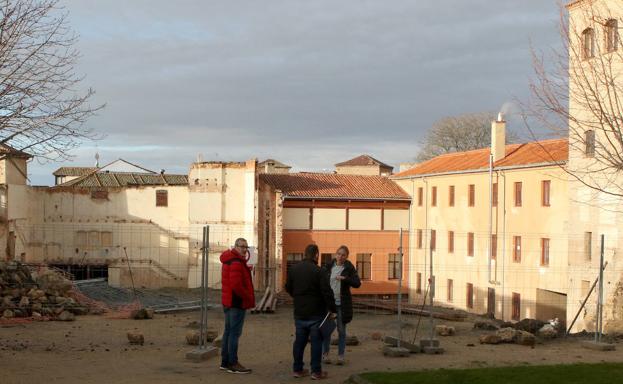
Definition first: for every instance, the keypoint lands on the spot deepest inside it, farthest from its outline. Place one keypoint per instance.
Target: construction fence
(509, 277)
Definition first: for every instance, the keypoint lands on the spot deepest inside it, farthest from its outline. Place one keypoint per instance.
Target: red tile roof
(334, 186)
(8, 151)
(533, 153)
(363, 160)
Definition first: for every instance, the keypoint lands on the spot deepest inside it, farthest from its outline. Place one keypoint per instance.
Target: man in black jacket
(313, 299)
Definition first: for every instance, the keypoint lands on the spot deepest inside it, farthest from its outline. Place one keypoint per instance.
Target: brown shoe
(319, 375)
(238, 368)
(299, 374)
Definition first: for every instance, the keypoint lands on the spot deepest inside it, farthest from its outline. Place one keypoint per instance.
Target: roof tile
(362, 160)
(533, 153)
(329, 185)
(125, 179)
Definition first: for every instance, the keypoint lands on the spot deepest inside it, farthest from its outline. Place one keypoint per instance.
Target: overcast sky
(309, 83)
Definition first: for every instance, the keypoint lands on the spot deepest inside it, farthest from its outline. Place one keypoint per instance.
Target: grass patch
(606, 373)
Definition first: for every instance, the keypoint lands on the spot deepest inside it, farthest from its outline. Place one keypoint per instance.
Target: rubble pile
(43, 294)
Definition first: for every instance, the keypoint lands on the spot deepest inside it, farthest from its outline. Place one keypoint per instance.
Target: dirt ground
(94, 349)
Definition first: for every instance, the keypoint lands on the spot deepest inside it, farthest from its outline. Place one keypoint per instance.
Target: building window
(470, 244)
(450, 290)
(494, 195)
(612, 35)
(588, 43)
(81, 239)
(589, 142)
(94, 239)
(451, 196)
(106, 239)
(433, 198)
(99, 194)
(292, 259)
(471, 195)
(364, 265)
(162, 198)
(516, 311)
(450, 241)
(518, 194)
(517, 249)
(433, 240)
(394, 266)
(469, 302)
(325, 258)
(419, 239)
(544, 252)
(420, 196)
(588, 245)
(494, 246)
(545, 188)
(418, 283)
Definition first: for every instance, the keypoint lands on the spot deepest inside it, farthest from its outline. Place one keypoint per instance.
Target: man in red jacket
(237, 297)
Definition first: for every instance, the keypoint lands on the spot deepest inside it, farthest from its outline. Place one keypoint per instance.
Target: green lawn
(551, 374)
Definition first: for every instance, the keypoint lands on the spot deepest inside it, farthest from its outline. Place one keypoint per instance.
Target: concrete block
(199, 354)
(433, 350)
(395, 351)
(598, 346)
(424, 343)
(393, 342)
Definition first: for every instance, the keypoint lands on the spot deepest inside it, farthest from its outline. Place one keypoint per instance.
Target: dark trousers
(341, 336)
(307, 330)
(234, 320)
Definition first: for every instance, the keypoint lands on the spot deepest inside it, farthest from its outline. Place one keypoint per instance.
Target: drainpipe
(504, 238)
(425, 240)
(490, 215)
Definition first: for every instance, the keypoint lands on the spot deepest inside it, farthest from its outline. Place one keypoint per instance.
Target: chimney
(498, 138)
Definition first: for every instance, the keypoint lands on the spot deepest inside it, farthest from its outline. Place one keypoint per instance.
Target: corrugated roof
(125, 179)
(536, 152)
(329, 185)
(363, 160)
(74, 171)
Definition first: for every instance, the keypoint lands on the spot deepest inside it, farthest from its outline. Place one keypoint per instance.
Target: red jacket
(237, 286)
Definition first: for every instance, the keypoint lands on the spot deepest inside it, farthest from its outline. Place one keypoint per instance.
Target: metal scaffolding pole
(400, 255)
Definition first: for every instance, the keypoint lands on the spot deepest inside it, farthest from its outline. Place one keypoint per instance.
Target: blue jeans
(341, 336)
(306, 330)
(234, 320)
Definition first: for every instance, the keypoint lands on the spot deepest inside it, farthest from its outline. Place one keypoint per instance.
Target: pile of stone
(509, 335)
(41, 294)
(523, 332)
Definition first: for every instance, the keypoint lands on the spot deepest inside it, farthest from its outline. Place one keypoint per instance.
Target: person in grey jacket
(342, 276)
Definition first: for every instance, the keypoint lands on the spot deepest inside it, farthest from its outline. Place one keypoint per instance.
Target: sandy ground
(94, 349)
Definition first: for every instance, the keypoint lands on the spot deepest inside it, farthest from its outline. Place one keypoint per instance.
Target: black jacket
(309, 287)
(351, 280)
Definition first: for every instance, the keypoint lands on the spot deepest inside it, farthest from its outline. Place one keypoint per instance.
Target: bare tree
(577, 92)
(42, 109)
(458, 134)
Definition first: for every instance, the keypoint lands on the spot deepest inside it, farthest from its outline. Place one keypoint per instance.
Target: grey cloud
(310, 83)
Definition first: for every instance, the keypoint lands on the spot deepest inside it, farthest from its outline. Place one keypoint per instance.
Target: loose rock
(490, 339)
(486, 325)
(66, 316)
(445, 330)
(506, 335)
(525, 338)
(136, 338)
(547, 332)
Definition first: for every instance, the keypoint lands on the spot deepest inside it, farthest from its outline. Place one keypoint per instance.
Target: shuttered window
(162, 198)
